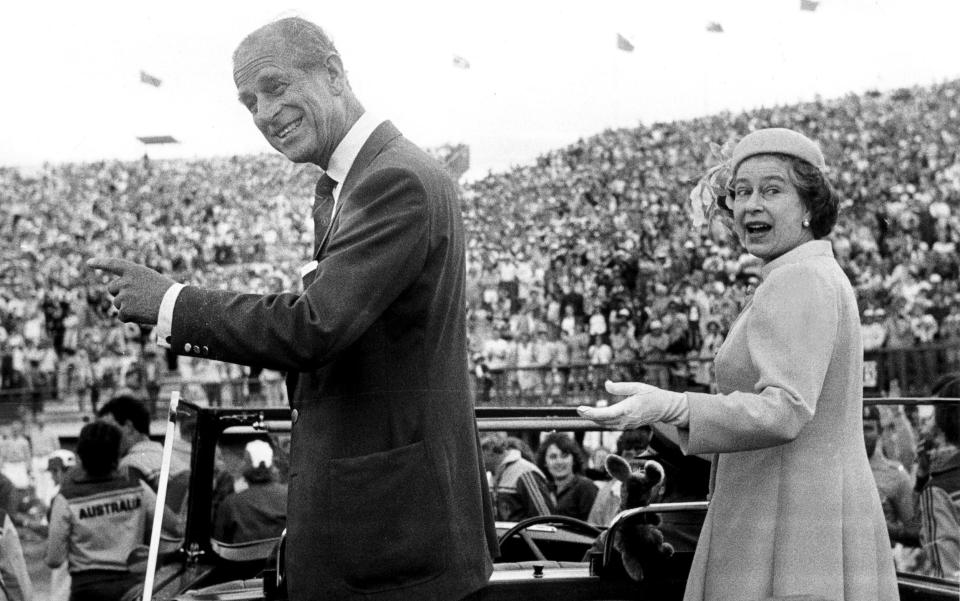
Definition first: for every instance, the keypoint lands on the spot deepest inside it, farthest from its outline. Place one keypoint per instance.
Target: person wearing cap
(59, 463)
(258, 512)
(794, 508)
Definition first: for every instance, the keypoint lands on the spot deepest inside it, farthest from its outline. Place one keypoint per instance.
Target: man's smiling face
(300, 112)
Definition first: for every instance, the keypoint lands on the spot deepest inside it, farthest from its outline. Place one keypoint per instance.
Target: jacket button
(187, 347)
(205, 350)
(294, 415)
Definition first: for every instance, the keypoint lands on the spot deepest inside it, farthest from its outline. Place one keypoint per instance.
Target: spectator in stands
(10, 498)
(874, 334)
(527, 375)
(15, 456)
(560, 458)
(893, 482)
(653, 349)
(518, 486)
(99, 517)
(711, 344)
(259, 511)
(771, 419)
(43, 443)
(601, 355)
(138, 454)
(938, 483)
(519, 444)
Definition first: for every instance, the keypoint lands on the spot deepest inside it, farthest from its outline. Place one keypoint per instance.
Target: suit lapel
(381, 136)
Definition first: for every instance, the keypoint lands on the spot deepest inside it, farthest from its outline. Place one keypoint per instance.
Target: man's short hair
(127, 408)
(630, 439)
(307, 44)
(947, 417)
(495, 443)
(99, 447)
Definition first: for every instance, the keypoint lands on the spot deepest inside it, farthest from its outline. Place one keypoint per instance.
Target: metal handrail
(910, 401)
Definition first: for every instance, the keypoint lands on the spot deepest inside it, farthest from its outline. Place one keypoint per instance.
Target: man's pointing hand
(137, 290)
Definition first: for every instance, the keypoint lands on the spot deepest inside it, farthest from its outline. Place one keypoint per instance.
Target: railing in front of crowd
(905, 371)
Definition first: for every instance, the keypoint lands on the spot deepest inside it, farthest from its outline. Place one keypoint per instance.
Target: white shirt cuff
(165, 318)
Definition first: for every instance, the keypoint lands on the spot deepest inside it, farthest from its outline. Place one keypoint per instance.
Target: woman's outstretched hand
(645, 404)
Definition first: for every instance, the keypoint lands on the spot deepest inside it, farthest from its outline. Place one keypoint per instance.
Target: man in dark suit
(388, 497)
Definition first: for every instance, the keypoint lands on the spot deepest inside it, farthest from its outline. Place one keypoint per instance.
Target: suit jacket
(388, 496)
(795, 508)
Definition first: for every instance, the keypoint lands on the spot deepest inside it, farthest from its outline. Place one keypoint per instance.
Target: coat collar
(382, 134)
(380, 137)
(813, 248)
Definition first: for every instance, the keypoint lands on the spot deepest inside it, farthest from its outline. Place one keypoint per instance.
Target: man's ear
(335, 73)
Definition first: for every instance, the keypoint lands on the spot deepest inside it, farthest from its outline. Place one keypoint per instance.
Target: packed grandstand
(587, 255)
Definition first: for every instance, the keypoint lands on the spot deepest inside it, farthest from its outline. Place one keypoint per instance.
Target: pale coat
(794, 507)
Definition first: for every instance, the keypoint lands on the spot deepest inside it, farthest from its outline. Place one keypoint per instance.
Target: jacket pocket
(391, 524)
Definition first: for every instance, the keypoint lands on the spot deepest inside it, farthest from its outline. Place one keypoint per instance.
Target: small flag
(460, 62)
(149, 79)
(714, 27)
(158, 140)
(624, 44)
(809, 5)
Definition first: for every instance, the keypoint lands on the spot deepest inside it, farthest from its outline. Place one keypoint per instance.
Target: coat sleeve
(377, 251)
(940, 532)
(14, 577)
(535, 493)
(585, 500)
(59, 534)
(791, 333)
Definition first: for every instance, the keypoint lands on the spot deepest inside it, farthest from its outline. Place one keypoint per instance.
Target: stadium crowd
(587, 256)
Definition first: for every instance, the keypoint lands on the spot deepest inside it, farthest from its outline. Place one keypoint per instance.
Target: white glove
(645, 404)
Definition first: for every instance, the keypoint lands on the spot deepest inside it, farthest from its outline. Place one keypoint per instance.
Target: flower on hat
(707, 195)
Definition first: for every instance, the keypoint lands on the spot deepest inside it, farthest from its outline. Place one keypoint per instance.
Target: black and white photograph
(480, 301)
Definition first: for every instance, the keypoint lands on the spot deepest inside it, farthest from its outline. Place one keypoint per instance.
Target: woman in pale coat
(794, 508)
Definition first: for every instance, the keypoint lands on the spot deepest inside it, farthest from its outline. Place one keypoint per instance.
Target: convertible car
(545, 558)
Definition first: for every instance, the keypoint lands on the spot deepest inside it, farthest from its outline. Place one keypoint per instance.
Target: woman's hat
(781, 141)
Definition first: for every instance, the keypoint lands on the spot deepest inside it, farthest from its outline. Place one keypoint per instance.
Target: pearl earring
(806, 223)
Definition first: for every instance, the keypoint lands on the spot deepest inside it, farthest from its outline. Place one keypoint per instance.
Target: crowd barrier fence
(887, 371)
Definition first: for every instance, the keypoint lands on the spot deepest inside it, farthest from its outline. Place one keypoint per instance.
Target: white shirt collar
(349, 147)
